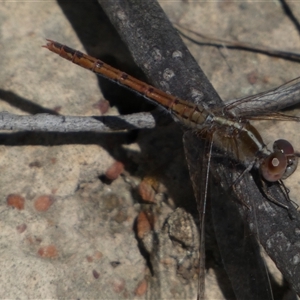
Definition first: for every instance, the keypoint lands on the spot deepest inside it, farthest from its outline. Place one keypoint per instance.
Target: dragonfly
(212, 134)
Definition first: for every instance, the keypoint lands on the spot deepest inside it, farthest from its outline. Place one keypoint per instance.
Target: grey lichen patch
(177, 54)
(156, 54)
(252, 226)
(197, 95)
(121, 15)
(279, 240)
(147, 66)
(268, 208)
(296, 259)
(168, 74)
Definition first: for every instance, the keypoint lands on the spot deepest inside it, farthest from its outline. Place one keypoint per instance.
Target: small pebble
(15, 201)
(144, 224)
(21, 228)
(49, 251)
(35, 164)
(146, 192)
(97, 255)
(114, 171)
(252, 77)
(102, 105)
(43, 203)
(96, 274)
(115, 264)
(141, 288)
(89, 258)
(118, 285)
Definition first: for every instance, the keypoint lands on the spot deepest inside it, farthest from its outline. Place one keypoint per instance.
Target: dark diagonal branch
(156, 47)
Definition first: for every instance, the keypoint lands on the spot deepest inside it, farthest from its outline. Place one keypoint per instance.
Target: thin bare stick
(48, 123)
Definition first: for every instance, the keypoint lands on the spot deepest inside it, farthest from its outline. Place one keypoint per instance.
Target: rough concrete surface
(80, 240)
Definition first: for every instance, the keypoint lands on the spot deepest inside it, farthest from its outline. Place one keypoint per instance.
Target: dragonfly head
(281, 163)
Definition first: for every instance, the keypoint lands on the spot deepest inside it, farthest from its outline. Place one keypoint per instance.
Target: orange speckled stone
(43, 203)
(144, 224)
(114, 171)
(49, 251)
(146, 192)
(15, 201)
(141, 288)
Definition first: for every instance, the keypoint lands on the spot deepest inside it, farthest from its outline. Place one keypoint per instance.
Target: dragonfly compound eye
(283, 146)
(274, 166)
(287, 149)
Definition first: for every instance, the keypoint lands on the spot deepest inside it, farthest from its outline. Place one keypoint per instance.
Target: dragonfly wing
(238, 247)
(197, 151)
(267, 102)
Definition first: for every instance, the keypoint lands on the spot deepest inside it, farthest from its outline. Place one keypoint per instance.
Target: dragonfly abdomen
(191, 114)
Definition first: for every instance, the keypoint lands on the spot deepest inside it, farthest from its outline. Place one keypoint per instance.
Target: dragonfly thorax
(244, 144)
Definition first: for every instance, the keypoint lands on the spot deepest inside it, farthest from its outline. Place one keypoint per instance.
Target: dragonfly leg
(244, 172)
(239, 199)
(286, 192)
(270, 197)
(236, 181)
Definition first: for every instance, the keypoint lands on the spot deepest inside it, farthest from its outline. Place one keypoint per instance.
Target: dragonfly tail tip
(49, 43)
